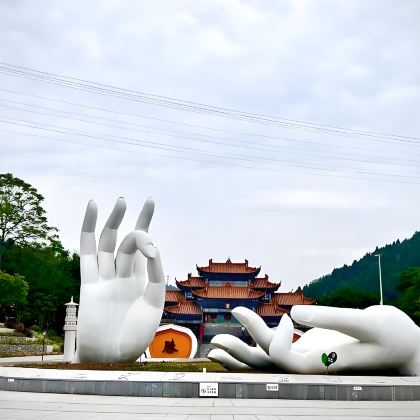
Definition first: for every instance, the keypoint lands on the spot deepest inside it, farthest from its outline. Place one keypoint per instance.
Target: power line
(104, 89)
(234, 132)
(267, 169)
(176, 134)
(241, 133)
(181, 149)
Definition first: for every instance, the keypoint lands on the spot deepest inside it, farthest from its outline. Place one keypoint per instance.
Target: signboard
(357, 388)
(272, 387)
(209, 389)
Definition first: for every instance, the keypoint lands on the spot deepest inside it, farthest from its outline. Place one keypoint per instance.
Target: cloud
(301, 199)
(343, 253)
(340, 63)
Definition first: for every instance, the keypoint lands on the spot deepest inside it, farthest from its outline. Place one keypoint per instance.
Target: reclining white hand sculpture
(119, 310)
(376, 338)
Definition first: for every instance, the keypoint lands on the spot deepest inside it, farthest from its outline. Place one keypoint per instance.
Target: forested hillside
(362, 275)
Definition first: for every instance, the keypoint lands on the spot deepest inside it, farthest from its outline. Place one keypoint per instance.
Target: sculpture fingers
(255, 325)
(145, 216)
(133, 242)
(280, 350)
(354, 322)
(226, 360)
(88, 259)
(251, 356)
(154, 294)
(108, 240)
(143, 223)
(144, 315)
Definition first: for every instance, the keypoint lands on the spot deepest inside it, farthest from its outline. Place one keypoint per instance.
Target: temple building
(203, 303)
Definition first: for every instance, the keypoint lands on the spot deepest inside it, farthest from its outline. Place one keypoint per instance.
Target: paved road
(25, 405)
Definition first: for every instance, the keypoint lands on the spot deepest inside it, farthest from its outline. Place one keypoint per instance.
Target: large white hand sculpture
(377, 338)
(119, 310)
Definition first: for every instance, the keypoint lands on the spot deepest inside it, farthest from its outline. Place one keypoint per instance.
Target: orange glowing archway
(173, 342)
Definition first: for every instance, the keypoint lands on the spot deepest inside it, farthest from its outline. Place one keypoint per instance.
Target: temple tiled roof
(228, 267)
(192, 282)
(269, 309)
(174, 296)
(264, 283)
(291, 298)
(185, 307)
(228, 292)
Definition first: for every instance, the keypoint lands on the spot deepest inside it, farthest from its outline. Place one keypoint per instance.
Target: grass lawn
(137, 366)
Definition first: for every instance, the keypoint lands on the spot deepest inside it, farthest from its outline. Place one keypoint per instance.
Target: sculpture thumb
(280, 348)
(255, 325)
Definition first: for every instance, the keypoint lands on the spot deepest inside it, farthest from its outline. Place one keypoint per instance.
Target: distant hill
(363, 274)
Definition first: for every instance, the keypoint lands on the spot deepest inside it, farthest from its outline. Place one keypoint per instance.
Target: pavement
(26, 405)
(4, 361)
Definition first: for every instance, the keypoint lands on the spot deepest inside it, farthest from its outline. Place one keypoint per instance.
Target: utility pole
(380, 277)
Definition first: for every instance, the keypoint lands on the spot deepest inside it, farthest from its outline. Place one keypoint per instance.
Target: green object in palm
(330, 359)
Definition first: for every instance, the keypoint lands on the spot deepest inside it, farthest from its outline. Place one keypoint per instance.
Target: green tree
(22, 217)
(409, 297)
(14, 290)
(345, 297)
(53, 276)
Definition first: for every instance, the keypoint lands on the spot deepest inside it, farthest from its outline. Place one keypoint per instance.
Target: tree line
(37, 274)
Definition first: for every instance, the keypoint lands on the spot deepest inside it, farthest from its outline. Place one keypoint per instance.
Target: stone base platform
(230, 385)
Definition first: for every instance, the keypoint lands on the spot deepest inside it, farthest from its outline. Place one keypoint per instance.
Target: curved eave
(198, 294)
(309, 301)
(187, 308)
(267, 288)
(184, 286)
(206, 270)
(174, 296)
(269, 310)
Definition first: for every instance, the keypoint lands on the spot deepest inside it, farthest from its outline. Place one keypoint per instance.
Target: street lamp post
(380, 277)
(43, 345)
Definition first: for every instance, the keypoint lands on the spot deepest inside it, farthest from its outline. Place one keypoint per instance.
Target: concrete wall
(26, 348)
(226, 390)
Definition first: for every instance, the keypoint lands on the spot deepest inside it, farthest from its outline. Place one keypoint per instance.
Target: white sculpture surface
(120, 306)
(374, 339)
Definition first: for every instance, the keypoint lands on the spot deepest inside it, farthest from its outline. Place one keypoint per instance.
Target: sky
(283, 132)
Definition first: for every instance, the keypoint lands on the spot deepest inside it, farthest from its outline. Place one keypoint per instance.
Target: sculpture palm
(119, 309)
(377, 338)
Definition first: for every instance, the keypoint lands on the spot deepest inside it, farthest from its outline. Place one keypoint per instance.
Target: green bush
(51, 333)
(55, 339)
(36, 328)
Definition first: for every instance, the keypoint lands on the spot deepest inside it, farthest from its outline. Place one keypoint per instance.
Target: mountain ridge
(363, 274)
